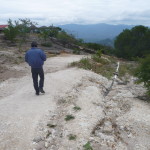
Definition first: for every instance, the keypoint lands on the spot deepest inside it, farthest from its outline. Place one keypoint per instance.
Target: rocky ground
(75, 113)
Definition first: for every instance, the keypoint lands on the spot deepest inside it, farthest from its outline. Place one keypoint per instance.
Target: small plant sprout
(88, 146)
(76, 108)
(69, 117)
(72, 137)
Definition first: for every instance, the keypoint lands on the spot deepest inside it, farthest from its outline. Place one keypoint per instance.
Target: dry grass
(98, 65)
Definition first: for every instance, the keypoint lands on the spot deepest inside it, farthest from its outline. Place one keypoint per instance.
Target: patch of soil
(6, 74)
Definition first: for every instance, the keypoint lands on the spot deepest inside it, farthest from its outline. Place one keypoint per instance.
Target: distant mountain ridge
(95, 32)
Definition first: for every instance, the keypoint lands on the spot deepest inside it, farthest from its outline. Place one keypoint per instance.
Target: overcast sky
(48, 12)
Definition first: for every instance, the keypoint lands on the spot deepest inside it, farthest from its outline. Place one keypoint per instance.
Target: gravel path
(21, 109)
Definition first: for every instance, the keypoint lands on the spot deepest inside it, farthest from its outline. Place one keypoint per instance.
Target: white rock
(47, 144)
(130, 135)
(121, 127)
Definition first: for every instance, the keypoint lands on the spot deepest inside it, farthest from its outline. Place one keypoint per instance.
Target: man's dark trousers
(35, 73)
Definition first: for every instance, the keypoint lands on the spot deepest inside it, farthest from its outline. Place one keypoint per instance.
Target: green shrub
(143, 72)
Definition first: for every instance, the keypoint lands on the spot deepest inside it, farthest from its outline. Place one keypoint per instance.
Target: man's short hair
(34, 44)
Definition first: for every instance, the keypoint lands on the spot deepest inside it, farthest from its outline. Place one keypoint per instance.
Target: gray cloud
(48, 12)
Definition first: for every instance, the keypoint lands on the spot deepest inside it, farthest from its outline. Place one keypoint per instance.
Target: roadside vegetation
(131, 45)
(98, 64)
(143, 72)
(134, 45)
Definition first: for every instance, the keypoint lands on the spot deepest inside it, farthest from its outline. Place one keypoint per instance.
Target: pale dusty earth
(117, 121)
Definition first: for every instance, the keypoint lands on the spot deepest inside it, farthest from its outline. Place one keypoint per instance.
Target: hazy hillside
(95, 32)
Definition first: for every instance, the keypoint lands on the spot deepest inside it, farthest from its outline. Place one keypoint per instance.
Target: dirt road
(20, 109)
(119, 121)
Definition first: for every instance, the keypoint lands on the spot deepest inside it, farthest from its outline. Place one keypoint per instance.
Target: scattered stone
(121, 127)
(130, 135)
(53, 133)
(37, 139)
(39, 146)
(107, 127)
(105, 137)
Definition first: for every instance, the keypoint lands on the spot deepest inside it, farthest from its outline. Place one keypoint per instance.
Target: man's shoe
(41, 90)
(37, 93)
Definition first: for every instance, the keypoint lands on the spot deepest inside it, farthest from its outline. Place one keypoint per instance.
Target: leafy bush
(143, 72)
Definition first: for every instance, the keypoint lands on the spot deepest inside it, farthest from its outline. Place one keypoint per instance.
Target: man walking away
(35, 57)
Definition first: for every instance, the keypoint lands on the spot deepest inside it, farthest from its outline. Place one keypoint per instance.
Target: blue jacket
(35, 57)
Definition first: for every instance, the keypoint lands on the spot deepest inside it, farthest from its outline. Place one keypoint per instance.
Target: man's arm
(43, 56)
(26, 57)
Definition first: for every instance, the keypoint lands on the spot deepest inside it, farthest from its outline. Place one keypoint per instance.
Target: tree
(24, 28)
(143, 72)
(54, 31)
(44, 33)
(133, 43)
(12, 31)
